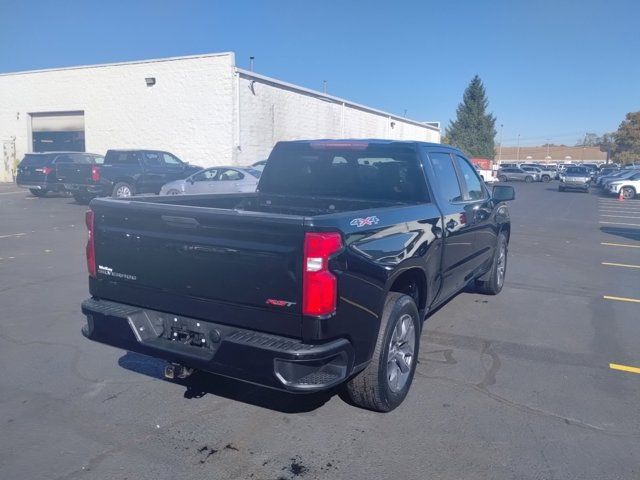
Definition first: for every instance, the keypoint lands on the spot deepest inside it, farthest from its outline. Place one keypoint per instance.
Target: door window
(205, 176)
(471, 179)
(446, 175)
(230, 175)
(171, 160)
(152, 159)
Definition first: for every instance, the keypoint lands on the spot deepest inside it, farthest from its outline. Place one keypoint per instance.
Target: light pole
(251, 59)
(324, 86)
(500, 147)
(518, 151)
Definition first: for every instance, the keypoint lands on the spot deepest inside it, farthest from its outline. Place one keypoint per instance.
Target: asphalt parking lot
(536, 383)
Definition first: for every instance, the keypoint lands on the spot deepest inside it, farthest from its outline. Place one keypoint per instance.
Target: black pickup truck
(124, 173)
(321, 277)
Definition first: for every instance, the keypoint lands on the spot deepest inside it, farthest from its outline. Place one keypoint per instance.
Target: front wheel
(38, 193)
(491, 283)
(628, 193)
(384, 384)
(502, 178)
(528, 179)
(546, 178)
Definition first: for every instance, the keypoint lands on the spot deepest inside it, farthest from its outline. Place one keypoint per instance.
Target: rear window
(577, 170)
(358, 170)
(31, 160)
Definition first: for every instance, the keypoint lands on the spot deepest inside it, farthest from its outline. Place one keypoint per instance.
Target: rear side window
(171, 160)
(446, 175)
(358, 170)
(471, 179)
(31, 160)
(227, 175)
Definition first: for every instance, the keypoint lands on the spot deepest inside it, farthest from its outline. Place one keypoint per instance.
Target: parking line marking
(621, 223)
(620, 265)
(611, 209)
(609, 244)
(616, 216)
(10, 193)
(621, 299)
(624, 368)
(13, 235)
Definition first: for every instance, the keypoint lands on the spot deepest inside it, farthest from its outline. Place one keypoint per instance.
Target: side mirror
(503, 193)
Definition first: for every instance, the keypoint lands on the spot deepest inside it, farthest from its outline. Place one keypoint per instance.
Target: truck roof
(378, 141)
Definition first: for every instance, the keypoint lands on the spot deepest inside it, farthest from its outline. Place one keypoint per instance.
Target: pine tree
(473, 130)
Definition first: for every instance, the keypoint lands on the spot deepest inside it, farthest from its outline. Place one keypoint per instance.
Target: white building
(202, 108)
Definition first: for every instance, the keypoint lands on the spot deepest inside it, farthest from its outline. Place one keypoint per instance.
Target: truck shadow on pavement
(199, 384)
(628, 233)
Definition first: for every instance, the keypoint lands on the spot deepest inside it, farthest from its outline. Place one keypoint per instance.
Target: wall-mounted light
(393, 124)
(150, 81)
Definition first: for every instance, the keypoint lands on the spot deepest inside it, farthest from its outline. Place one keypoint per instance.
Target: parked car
(487, 175)
(215, 180)
(620, 175)
(552, 171)
(575, 178)
(510, 173)
(322, 277)
(629, 186)
(38, 171)
(125, 173)
(540, 174)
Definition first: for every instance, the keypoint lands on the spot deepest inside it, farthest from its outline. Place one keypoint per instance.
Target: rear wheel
(491, 283)
(384, 384)
(81, 199)
(528, 179)
(560, 188)
(38, 193)
(628, 192)
(546, 178)
(502, 178)
(173, 191)
(122, 190)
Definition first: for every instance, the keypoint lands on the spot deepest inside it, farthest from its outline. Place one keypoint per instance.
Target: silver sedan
(215, 180)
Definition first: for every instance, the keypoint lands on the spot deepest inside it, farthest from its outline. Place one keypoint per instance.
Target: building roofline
(116, 64)
(333, 99)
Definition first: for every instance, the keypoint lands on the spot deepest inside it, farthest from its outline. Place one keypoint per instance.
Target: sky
(553, 69)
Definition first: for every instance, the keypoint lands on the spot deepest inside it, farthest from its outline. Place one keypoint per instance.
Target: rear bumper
(39, 185)
(88, 189)
(260, 358)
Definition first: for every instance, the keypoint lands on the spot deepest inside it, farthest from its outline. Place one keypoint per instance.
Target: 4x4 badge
(363, 222)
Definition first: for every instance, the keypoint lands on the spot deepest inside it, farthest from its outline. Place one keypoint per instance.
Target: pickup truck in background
(124, 173)
(322, 277)
(38, 171)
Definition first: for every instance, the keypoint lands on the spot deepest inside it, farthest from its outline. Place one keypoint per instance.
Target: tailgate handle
(184, 222)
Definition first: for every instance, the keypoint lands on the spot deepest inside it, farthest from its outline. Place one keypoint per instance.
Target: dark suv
(38, 171)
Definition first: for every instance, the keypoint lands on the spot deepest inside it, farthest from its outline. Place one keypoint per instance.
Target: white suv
(630, 186)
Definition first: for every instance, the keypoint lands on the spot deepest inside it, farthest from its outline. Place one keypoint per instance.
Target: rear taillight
(319, 285)
(47, 170)
(95, 174)
(91, 250)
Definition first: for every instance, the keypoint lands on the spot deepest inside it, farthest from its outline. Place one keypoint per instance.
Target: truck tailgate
(232, 267)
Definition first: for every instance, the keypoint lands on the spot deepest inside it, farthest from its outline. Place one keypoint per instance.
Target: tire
(628, 193)
(372, 388)
(120, 190)
(82, 199)
(502, 178)
(173, 191)
(546, 178)
(528, 179)
(38, 193)
(492, 282)
(560, 188)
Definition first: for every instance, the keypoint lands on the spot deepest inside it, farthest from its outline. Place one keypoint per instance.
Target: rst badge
(363, 222)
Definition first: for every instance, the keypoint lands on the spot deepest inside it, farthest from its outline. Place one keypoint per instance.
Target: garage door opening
(57, 131)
